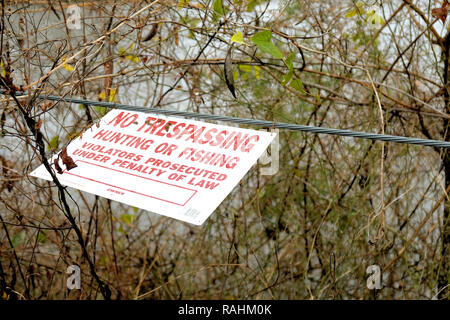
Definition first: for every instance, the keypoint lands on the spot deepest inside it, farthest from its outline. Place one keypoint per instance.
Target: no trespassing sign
(171, 166)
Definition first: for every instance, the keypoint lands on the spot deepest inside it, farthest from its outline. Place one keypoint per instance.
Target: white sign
(171, 166)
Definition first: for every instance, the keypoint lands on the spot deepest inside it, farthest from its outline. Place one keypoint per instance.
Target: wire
(261, 123)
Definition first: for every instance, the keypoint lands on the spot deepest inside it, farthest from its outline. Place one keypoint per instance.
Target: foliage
(336, 205)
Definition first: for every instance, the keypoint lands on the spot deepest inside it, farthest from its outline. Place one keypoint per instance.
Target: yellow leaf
(182, 4)
(257, 71)
(112, 95)
(121, 51)
(351, 13)
(132, 58)
(127, 218)
(2, 69)
(238, 37)
(245, 68)
(102, 95)
(127, 53)
(67, 66)
(373, 18)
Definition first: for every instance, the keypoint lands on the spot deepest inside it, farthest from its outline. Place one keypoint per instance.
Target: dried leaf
(441, 12)
(67, 160)
(152, 33)
(46, 106)
(8, 175)
(38, 124)
(57, 167)
(229, 73)
(175, 32)
(2, 123)
(109, 70)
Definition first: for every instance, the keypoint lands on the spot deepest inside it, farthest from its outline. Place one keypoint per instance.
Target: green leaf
(359, 10)
(351, 13)
(238, 38)
(104, 260)
(42, 236)
(297, 84)
(121, 230)
(101, 111)
(192, 22)
(290, 61)
(264, 42)
(290, 64)
(54, 143)
(127, 218)
(18, 239)
(318, 96)
(251, 5)
(218, 9)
